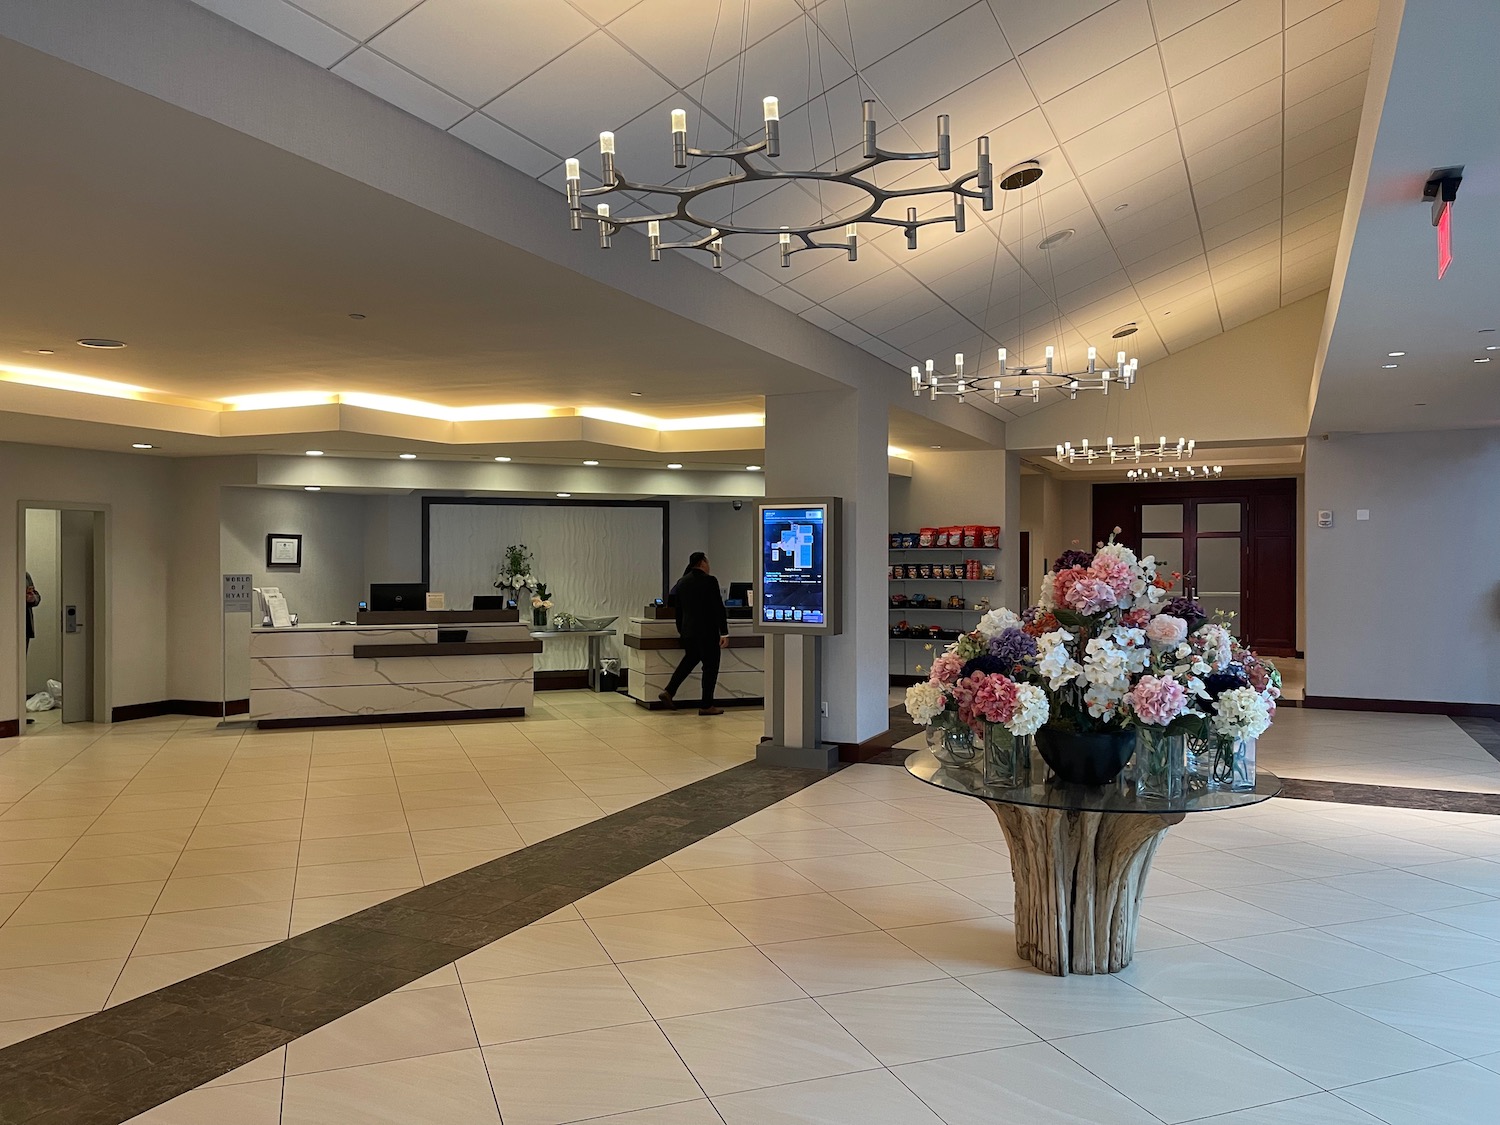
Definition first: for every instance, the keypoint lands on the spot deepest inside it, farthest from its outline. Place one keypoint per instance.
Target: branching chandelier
(791, 239)
(1023, 380)
(1172, 472)
(1161, 451)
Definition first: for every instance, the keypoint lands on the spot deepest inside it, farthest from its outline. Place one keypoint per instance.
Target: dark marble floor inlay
(106, 1068)
(1391, 796)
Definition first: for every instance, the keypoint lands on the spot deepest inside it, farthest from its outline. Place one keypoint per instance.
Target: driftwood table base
(1079, 879)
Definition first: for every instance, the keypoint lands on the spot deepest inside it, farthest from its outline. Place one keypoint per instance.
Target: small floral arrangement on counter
(516, 569)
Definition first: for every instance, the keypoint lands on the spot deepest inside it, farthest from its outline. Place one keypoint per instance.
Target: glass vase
(1160, 759)
(1198, 763)
(952, 743)
(538, 618)
(1233, 764)
(1007, 758)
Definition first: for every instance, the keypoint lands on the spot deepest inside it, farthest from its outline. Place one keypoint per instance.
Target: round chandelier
(1024, 380)
(1136, 452)
(792, 239)
(1172, 472)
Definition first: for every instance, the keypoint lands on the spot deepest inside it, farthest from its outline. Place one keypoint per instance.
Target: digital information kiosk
(799, 599)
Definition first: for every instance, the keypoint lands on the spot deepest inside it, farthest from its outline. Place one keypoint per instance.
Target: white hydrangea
(1214, 644)
(1055, 661)
(925, 702)
(1031, 710)
(1117, 551)
(1241, 713)
(996, 621)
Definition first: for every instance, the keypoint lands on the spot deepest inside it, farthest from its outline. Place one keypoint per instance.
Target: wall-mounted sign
(799, 587)
(238, 593)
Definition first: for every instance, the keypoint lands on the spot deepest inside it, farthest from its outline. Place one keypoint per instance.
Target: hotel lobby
(1078, 406)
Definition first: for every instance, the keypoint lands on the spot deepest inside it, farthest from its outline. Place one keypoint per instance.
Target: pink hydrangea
(945, 668)
(1136, 618)
(964, 691)
(1157, 700)
(995, 699)
(1114, 572)
(1166, 631)
(1062, 583)
(1089, 595)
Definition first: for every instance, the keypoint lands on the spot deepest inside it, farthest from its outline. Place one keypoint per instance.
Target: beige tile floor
(846, 958)
(135, 855)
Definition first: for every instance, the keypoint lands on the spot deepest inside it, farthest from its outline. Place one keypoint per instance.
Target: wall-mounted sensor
(1325, 519)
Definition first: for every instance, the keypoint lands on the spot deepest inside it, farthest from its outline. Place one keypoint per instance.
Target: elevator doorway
(63, 549)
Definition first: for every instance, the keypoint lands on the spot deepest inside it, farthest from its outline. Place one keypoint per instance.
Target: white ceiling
(1226, 129)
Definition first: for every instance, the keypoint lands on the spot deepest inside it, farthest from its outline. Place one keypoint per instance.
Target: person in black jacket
(704, 628)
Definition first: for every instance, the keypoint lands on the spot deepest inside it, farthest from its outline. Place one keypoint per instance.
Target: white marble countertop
(341, 626)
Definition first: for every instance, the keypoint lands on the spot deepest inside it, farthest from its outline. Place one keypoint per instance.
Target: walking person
(704, 628)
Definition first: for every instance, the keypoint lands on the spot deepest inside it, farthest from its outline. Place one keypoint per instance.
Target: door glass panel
(1168, 552)
(1219, 577)
(1219, 517)
(1163, 517)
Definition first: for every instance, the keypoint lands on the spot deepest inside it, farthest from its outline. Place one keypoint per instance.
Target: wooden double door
(1233, 542)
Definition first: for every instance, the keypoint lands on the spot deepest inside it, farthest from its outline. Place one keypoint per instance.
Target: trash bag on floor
(41, 701)
(54, 689)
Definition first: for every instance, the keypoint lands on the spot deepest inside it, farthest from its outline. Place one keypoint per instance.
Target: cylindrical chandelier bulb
(570, 168)
(679, 121)
(679, 138)
(772, 108)
(607, 143)
(606, 228)
(851, 239)
(653, 234)
(785, 243)
(1002, 361)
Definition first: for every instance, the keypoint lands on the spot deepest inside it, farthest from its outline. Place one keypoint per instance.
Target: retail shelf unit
(906, 653)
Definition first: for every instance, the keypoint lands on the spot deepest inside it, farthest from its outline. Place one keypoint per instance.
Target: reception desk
(652, 650)
(393, 667)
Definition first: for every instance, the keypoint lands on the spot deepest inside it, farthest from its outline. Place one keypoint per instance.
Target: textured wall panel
(595, 561)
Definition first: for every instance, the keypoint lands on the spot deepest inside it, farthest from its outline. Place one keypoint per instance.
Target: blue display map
(792, 562)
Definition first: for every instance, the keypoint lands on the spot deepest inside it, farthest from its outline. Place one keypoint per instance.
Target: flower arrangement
(516, 569)
(540, 598)
(983, 677)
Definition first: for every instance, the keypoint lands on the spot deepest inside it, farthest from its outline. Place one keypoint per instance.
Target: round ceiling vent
(96, 342)
(1128, 329)
(1057, 238)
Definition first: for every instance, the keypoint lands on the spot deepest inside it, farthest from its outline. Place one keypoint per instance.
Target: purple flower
(1011, 647)
(1216, 683)
(1187, 609)
(986, 664)
(1071, 559)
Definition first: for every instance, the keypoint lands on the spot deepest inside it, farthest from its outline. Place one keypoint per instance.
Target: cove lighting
(141, 445)
(280, 400)
(502, 459)
(896, 451)
(646, 421)
(312, 488)
(1393, 355)
(564, 495)
(674, 465)
(591, 462)
(315, 453)
(407, 456)
(752, 468)
(1388, 366)
(64, 381)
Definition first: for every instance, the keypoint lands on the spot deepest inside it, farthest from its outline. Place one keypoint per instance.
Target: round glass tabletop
(1113, 798)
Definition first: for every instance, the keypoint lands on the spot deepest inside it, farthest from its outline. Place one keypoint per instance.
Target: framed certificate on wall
(283, 550)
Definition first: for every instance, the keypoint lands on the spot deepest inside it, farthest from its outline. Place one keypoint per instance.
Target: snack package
(989, 536)
(989, 572)
(895, 540)
(972, 534)
(927, 537)
(926, 571)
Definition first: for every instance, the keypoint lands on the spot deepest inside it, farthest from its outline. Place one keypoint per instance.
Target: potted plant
(516, 571)
(540, 604)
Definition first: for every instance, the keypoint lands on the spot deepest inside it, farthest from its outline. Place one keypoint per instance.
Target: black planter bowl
(1085, 759)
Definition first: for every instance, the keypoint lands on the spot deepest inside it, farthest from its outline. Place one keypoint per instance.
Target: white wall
(1405, 605)
(731, 541)
(43, 541)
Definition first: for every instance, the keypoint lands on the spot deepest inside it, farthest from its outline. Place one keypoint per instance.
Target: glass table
(595, 649)
(1079, 857)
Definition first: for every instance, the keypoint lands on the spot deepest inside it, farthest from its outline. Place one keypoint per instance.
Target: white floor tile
(1317, 961)
(1314, 1109)
(1197, 979)
(708, 982)
(872, 1097)
(552, 1004)
(1056, 1006)
(1213, 916)
(1443, 1012)
(451, 1088)
(1421, 941)
(913, 1022)
(1456, 1094)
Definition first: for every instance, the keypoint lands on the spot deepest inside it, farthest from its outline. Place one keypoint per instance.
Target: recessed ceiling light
(141, 445)
(674, 465)
(752, 468)
(936, 447)
(637, 394)
(96, 342)
(312, 488)
(407, 456)
(1482, 359)
(1130, 328)
(1056, 239)
(1486, 330)
(1393, 355)
(1492, 347)
(502, 458)
(45, 351)
(315, 453)
(1419, 404)
(356, 316)
(591, 462)
(1388, 366)
(564, 495)
(1121, 206)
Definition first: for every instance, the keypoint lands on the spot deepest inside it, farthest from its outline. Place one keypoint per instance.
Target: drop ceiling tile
(1251, 197)
(789, 299)
(1262, 261)
(824, 319)
(1194, 333)
(881, 27)
(1232, 117)
(1088, 47)
(359, 18)
(1191, 269)
(1210, 189)
(839, 275)
(910, 305)
(1322, 209)
(984, 276)
(1244, 222)
(866, 297)
(1324, 186)
(1307, 144)
(1221, 36)
(402, 89)
(856, 336)
(1335, 101)
(1116, 308)
(1344, 61)
(474, 49)
(1139, 194)
(1329, 28)
(978, 109)
(1171, 16)
(1153, 213)
(939, 62)
(1106, 95)
(1191, 287)
(494, 139)
(1299, 10)
(1111, 287)
(1026, 25)
(1174, 255)
(561, 107)
(1339, 158)
(675, 36)
(604, 11)
(1302, 263)
(781, 66)
(287, 27)
(1121, 135)
(977, 247)
(1028, 137)
(1319, 229)
(1235, 149)
(1317, 284)
(946, 322)
(1181, 227)
(1226, 81)
(1262, 239)
(742, 273)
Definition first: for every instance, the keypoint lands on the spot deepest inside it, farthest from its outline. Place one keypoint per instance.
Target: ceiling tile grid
(1200, 150)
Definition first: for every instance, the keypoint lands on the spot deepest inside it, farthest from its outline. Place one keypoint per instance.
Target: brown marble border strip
(1390, 796)
(107, 1068)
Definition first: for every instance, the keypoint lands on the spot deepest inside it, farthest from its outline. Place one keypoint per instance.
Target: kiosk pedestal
(794, 721)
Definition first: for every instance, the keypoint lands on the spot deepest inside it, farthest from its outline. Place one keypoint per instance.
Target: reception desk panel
(653, 649)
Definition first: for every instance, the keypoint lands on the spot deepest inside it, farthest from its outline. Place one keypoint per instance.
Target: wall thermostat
(1325, 519)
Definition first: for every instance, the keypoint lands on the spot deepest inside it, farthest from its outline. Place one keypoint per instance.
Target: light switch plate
(1362, 513)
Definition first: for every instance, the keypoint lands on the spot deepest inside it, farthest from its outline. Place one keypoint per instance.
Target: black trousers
(695, 651)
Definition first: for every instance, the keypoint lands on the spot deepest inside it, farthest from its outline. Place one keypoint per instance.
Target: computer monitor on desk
(389, 597)
(737, 605)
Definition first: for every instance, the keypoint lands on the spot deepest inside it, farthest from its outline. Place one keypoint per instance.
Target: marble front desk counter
(313, 674)
(652, 650)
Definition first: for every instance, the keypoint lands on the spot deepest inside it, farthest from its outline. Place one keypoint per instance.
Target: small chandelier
(1024, 380)
(1136, 452)
(1172, 472)
(790, 239)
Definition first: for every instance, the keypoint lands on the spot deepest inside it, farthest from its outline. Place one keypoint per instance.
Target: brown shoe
(666, 700)
(711, 711)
